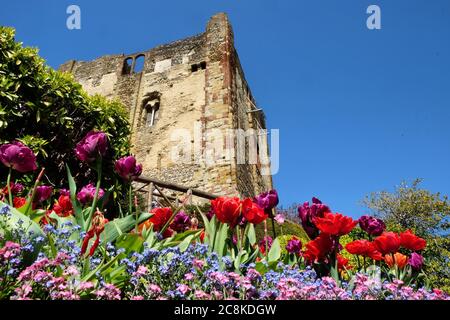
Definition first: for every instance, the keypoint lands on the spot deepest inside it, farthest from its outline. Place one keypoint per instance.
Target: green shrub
(50, 112)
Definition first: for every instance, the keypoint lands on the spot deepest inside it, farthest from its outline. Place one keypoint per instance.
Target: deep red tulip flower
(364, 248)
(318, 249)
(388, 242)
(159, 219)
(343, 263)
(87, 193)
(307, 213)
(92, 146)
(19, 202)
(18, 156)
(409, 240)
(294, 246)
(43, 193)
(372, 225)
(97, 227)
(267, 200)
(252, 212)
(127, 168)
(227, 210)
(63, 207)
(335, 224)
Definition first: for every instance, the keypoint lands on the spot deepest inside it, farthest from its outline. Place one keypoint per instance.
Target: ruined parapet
(184, 100)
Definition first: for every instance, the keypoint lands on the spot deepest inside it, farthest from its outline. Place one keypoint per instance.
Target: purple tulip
(294, 246)
(92, 146)
(127, 168)
(43, 193)
(18, 156)
(416, 261)
(267, 200)
(87, 193)
(181, 222)
(372, 225)
(307, 213)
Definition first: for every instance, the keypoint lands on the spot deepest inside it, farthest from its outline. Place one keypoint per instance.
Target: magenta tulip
(87, 193)
(92, 146)
(267, 200)
(127, 168)
(18, 156)
(43, 193)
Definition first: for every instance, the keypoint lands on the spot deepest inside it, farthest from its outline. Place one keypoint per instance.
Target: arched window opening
(127, 66)
(139, 63)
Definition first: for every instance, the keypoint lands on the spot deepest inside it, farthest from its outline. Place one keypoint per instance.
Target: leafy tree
(49, 111)
(428, 215)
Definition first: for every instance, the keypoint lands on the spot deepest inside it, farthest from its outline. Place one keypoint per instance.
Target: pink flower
(183, 289)
(141, 271)
(84, 286)
(137, 298)
(279, 218)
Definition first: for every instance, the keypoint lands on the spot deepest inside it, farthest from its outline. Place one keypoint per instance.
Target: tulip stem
(33, 192)
(9, 187)
(97, 188)
(273, 224)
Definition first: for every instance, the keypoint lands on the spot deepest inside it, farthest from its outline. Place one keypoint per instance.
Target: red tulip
(63, 207)
(319, 248)
(19, 202)
(364, 248)
(97, 227)
(227, 210)
(252, 212)
(409, 240)
(335, 224)
(388, 242)
(159, 219)
(342, 263)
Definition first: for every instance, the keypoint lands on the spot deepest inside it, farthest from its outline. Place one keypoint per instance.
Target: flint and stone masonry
(195, 86)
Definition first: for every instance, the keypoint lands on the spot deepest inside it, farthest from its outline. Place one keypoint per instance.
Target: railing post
(189, 194)
(150, 196)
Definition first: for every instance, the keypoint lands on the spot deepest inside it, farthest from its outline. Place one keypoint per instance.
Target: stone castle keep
(196, 86)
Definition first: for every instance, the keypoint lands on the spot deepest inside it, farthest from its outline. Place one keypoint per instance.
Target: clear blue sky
(358, 110)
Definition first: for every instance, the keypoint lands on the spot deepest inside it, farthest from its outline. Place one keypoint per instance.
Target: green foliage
(288, 228)
(428, 215)
(50, 112)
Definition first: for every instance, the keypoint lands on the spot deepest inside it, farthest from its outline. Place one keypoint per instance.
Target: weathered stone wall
(200, 88)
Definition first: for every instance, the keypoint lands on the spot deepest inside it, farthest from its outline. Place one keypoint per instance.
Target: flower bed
(69, 249)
